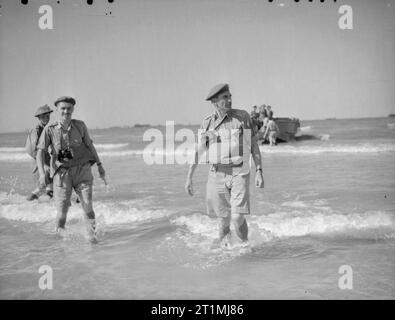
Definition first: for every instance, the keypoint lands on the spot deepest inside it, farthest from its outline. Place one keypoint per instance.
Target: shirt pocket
(75, 139)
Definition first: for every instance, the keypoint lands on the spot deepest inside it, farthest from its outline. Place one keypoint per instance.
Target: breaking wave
(279, 149)
(112, 150)
(16, 208)
(285, 224)
(111, 146)
(197, 233)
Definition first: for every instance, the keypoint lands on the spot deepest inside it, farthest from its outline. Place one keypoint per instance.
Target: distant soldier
(261, 116)
(231, 130)
(272, 131)
(255, 117)
(269, 111)
(73, 153)
(43, 114)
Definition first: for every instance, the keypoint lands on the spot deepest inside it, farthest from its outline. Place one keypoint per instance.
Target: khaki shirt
(58, 137)
(228, 140)
(34, 138)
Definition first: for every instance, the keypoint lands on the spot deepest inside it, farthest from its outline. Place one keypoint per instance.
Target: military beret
(65, 99)
(43, 110)
(217, 90)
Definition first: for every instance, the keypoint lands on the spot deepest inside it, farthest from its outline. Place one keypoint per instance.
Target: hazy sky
(151, 61)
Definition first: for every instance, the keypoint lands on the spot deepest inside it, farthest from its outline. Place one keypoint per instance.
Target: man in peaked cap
(67, 99)
(229, 140)
(216, 90)
(73, 154)
(43, 114)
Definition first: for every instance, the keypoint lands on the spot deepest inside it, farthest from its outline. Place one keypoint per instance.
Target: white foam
(16, 156)
(331, 148)
(12, 149)
(19, 154)
(325, 137)
(295, 204)
(311, 222)
(123, 153)
(391, 125)
(15, 207)
(111, 146)
(198, 232)
(305, 129)
(284, 224)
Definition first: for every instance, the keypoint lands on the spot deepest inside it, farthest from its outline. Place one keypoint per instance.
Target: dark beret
(65, 99)
(43, 110)
(219, 88)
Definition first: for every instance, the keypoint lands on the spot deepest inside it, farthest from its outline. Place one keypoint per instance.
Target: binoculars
(65, 155)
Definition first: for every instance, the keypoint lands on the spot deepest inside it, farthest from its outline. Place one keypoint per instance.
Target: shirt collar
(68, 128)
(227, 114)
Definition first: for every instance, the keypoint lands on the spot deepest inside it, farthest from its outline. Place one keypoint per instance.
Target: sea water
(328, 202)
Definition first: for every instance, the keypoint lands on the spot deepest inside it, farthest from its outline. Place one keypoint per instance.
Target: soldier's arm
(89, 144)
(42, 147)
(34, 141)
(255, 152)
(200, 148)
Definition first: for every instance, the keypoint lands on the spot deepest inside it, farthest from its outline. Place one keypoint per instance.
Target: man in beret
(229, 140)
(72, 155)
(43, 114)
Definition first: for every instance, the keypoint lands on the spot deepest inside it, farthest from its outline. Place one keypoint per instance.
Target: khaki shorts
(227, 193)
(273, 134)
(80, 179)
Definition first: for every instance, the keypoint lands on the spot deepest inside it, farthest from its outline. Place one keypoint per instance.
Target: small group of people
(63, 154)
(264, 123)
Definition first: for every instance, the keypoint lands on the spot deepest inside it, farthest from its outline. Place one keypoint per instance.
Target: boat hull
(288, 127)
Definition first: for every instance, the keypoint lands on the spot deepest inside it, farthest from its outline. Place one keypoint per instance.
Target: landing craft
(288, 127)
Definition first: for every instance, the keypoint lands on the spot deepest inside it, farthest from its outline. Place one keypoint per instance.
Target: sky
(146, 61)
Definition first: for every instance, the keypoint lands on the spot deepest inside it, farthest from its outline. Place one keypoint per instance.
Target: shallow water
(328, 201)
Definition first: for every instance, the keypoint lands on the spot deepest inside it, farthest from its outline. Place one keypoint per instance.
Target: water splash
(16, 208)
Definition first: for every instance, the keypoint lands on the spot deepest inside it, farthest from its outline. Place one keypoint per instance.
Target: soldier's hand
(259, 183)
(189, 187)
(101, 170)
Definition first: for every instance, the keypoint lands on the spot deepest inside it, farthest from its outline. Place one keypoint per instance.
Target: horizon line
(192, 124)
